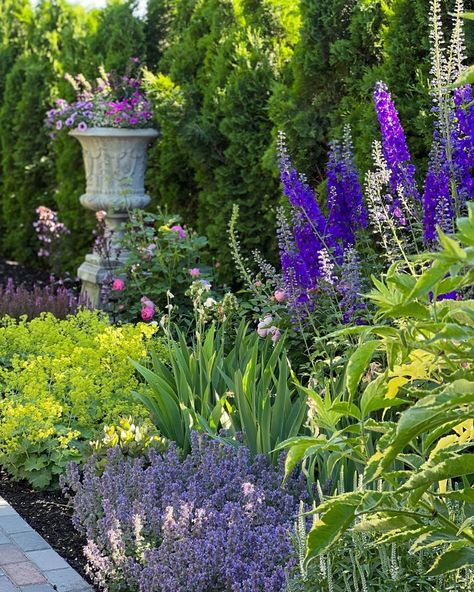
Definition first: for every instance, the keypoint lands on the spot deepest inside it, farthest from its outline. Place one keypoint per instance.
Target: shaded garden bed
(20, 274)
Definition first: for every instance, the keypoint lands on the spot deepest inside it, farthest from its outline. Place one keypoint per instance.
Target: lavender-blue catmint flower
(214, 521)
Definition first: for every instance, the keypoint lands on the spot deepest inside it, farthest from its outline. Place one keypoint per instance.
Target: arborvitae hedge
(229, 74)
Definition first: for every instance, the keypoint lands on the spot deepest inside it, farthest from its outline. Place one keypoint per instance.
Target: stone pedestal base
(115, 163)
(93, 273)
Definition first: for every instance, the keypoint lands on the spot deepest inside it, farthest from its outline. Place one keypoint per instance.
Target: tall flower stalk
(346, 211)
(395, 149)
(310, 227)
(452, 153)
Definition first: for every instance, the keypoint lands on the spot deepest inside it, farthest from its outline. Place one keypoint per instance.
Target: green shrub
(60, 383)
(163, 259)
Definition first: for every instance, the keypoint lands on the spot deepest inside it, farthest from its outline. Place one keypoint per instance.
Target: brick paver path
(27, 562)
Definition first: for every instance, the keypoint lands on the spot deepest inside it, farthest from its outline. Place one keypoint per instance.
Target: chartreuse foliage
(417, 472)
(227, 383)
(60, 383)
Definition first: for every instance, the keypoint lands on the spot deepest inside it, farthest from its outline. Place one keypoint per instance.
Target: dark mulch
(48, 513)
(21, 274)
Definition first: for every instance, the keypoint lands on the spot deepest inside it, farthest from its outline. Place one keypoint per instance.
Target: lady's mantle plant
(114, 101)
(214, 522)
(60, 383)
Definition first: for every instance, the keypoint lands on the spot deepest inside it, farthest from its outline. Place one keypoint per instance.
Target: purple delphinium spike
(350, 287)
(394, 144)
(346, 211)
(295, 275)
(309, 224)
(437, 199)
(462, 140)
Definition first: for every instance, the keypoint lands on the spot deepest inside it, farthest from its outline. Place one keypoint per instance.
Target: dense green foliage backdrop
(229, 74)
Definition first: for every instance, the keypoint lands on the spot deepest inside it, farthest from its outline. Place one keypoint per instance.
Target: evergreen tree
(120, 35)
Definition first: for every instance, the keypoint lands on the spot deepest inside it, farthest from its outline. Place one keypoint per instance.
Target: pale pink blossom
(194, 272)
(280, 296)
(144, 301)
(276, 334)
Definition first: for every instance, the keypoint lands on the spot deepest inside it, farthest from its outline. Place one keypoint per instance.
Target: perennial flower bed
(307, 429)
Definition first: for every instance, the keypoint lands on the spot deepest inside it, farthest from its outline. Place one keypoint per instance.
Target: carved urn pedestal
(115, 162)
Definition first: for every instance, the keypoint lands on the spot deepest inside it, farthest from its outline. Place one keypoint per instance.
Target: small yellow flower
(164, 228)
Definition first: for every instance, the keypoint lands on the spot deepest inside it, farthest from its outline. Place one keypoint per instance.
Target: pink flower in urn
(179, 229)
(280, 296)
(118, 285)
(194, 272)
(148, 312)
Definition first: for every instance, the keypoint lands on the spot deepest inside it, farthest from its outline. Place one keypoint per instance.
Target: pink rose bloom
(279, 295)
(148, 312)
(179, 229)
(194, 272)
(258, 284)
(118, 285)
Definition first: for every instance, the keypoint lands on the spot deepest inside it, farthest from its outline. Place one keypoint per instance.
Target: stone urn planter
(115, 162)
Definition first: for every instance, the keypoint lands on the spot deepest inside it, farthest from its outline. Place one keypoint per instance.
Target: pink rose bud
(148, 313)
(179, 229)
(258, 284)
(194, 272)
(279, 295)
(118, 285)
